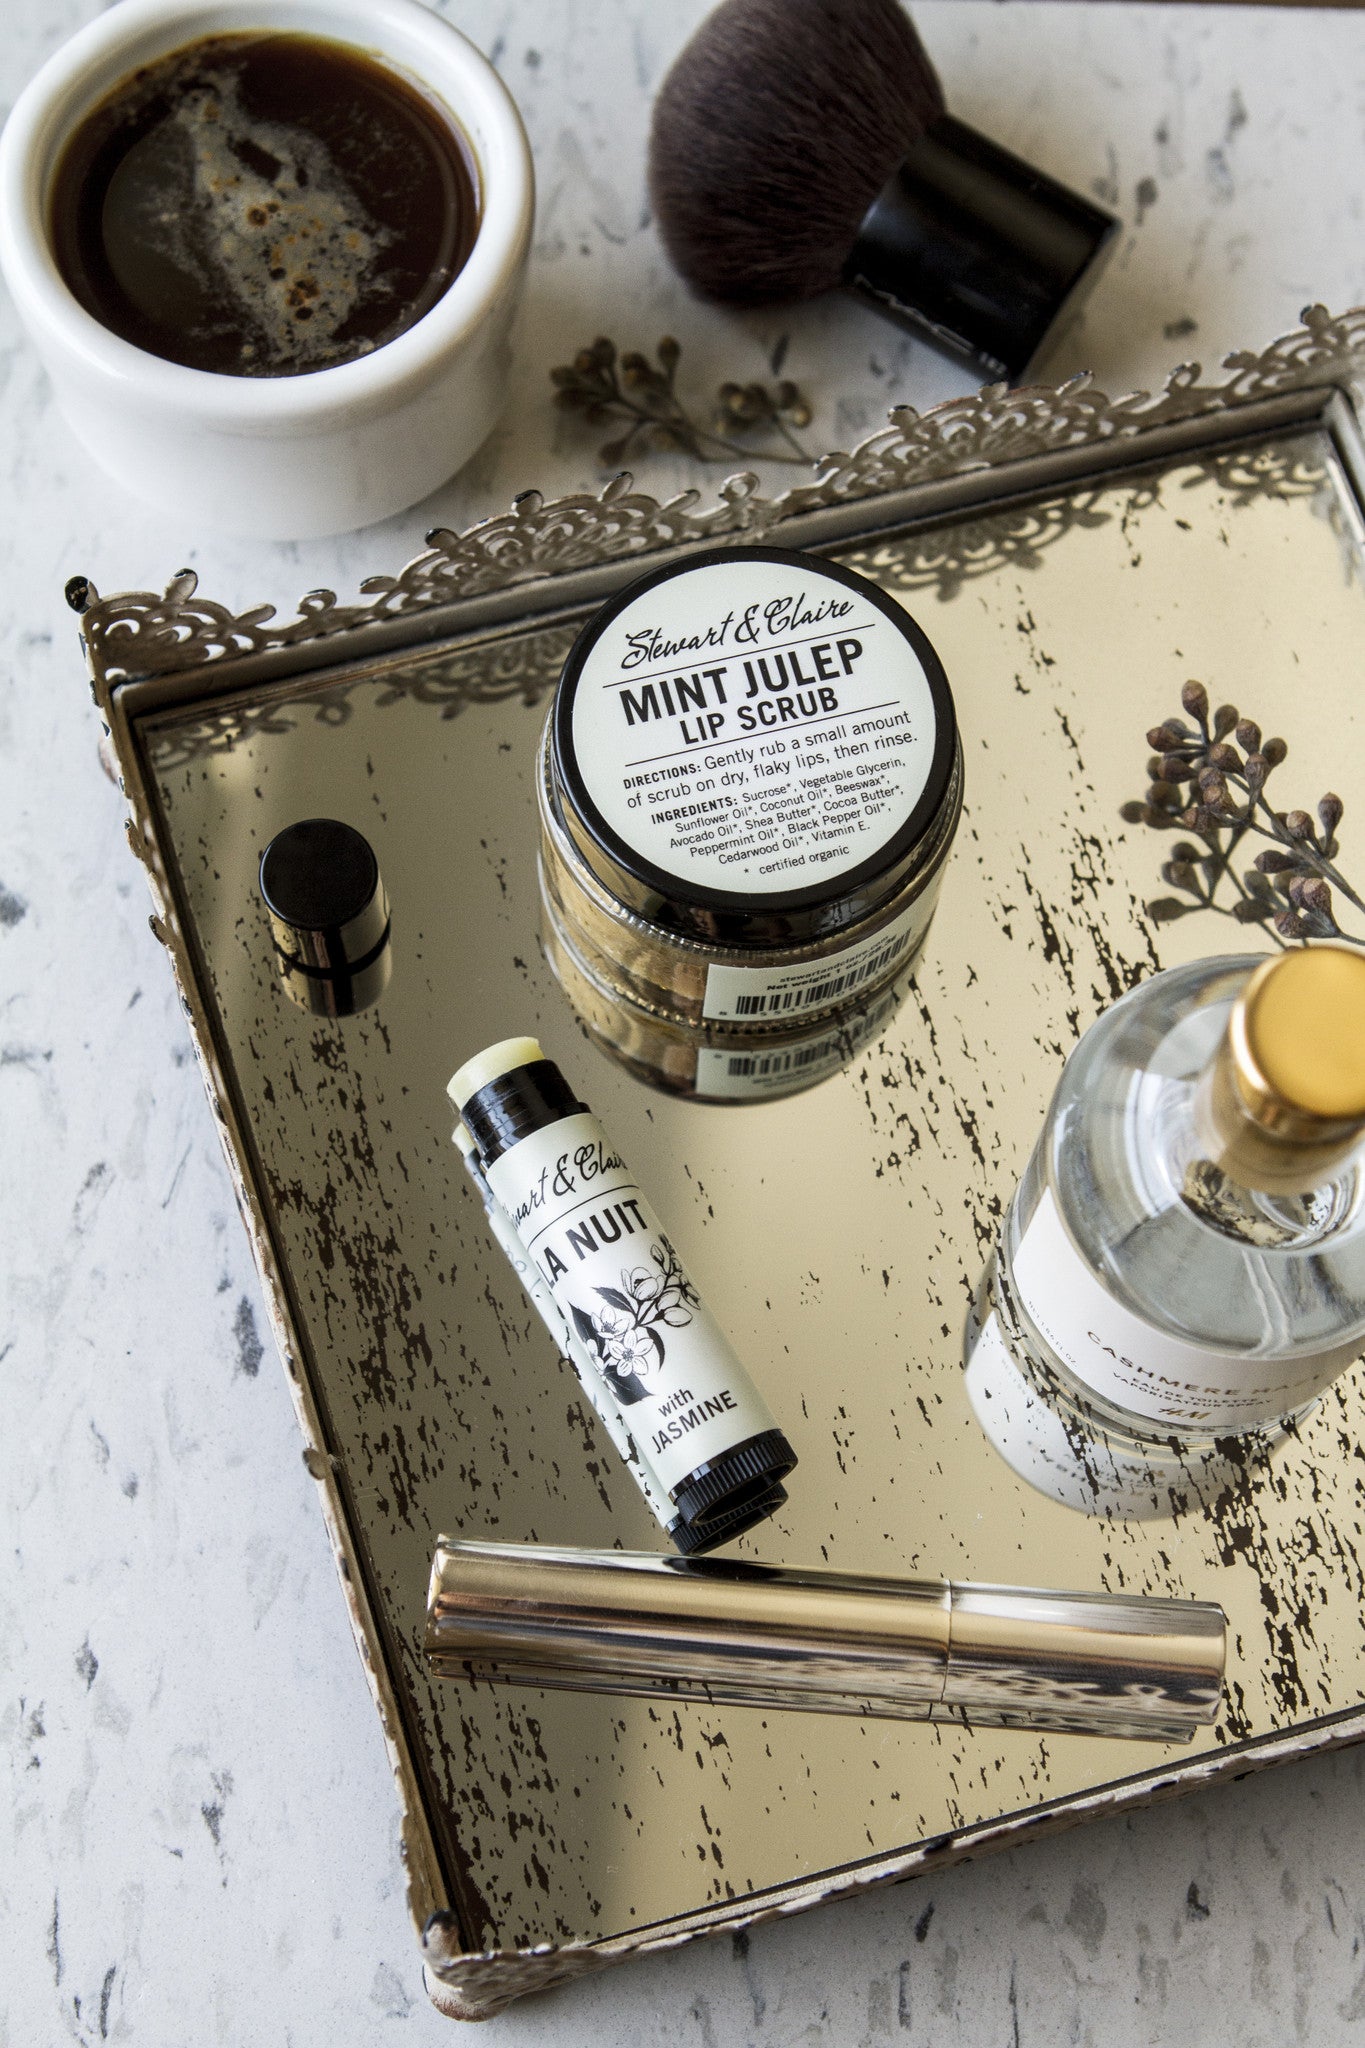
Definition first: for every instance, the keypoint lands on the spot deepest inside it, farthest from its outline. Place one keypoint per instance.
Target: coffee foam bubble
(256, 214)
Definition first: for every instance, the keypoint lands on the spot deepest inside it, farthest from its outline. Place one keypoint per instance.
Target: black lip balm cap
(329, 915)
(694, 1539)
(504, 1110)
(748, 1472)
(976, 250)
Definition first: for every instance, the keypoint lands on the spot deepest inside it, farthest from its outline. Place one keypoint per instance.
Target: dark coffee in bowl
(263, 205)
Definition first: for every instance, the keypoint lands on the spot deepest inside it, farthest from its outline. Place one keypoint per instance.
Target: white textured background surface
(198, 1843)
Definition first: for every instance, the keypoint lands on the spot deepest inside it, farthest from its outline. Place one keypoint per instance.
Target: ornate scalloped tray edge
(142, 632)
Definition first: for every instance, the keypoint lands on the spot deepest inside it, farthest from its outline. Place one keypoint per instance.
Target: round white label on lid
(760, 724)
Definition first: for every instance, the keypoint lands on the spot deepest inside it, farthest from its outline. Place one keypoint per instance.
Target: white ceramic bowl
(276, 457)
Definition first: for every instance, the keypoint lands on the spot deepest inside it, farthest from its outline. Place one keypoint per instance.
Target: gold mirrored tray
(1074, 560)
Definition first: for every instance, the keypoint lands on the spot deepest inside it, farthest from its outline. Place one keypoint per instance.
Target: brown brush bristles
(776, 128)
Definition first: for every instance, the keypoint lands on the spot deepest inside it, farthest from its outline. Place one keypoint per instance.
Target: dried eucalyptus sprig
(1202, 782)
(604, 385)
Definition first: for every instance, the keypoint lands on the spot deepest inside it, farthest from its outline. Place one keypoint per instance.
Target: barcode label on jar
(770, 1073)
(750, 994)
(780, 1070)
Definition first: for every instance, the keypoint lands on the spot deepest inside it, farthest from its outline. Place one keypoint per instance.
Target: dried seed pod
(1225, 757)
(1174, 769)
(1211, 784)
(1310, 892)
(1182, 850)
(1299, 825)
(1254, 771)
(1249, 735)
(1179, 873)
(1166, 909)
(1250, 910)
(1275, 751)
(1133, 812)
(1162, 795)
(1272, 863)
(1195, 699)
(1330, 811)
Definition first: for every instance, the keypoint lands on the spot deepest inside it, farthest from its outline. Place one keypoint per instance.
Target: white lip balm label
(754, 726)
(619, 1283)
(1145, 1370)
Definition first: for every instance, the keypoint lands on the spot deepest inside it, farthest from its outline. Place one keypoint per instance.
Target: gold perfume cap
(1297, 1040)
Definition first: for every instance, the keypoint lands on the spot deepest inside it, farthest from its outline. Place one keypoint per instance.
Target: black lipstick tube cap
(329, 916)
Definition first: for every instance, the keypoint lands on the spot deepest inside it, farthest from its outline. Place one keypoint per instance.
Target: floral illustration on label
(624, 1336)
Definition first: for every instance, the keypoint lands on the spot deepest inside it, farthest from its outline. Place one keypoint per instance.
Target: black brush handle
(976, 250)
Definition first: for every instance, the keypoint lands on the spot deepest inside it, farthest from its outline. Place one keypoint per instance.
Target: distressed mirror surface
(838, 1234)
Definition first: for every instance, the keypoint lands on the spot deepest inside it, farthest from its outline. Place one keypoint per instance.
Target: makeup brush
(802, 144)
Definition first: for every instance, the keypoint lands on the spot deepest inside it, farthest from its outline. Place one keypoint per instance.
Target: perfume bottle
(1184, 1259)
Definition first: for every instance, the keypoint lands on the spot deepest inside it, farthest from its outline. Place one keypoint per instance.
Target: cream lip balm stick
(658, 1360)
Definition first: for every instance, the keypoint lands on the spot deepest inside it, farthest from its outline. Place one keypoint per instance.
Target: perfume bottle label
(1032, 1438)
(755, 726)
(618, 1281)
(1133, 1364)
(748, 994)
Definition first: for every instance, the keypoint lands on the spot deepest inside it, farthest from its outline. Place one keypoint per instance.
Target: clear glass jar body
(1138, 1285)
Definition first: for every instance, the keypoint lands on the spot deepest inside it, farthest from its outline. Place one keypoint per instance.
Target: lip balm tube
(690, 1541)
(570, 1347)
(656, 1357)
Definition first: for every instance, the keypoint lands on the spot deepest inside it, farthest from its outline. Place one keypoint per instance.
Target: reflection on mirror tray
(839, 1236)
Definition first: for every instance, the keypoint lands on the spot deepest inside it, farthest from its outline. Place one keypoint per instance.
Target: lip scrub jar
(749, 784)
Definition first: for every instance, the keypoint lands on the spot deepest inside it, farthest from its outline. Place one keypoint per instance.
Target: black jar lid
(753, 746)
